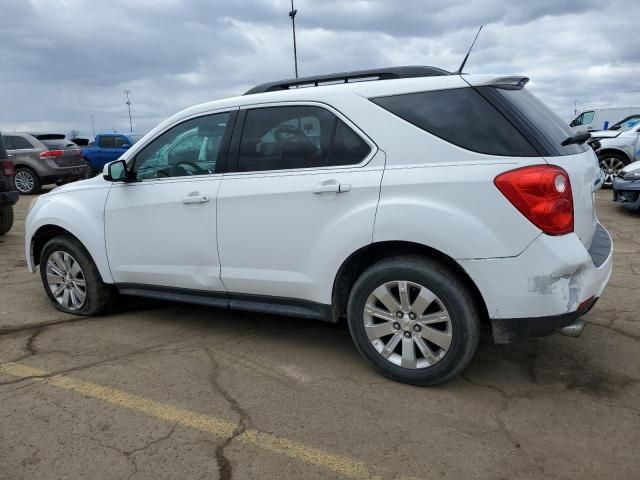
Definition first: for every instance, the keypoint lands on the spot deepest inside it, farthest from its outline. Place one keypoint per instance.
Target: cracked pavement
(553, 408)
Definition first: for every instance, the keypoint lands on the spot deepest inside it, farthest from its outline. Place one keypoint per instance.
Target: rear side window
(544, 124)
(16, 143)
(278, 138)
(460, 116)
(106, 142)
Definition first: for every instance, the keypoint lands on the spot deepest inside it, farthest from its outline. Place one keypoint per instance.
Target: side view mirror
(116, 171)
(125, 146)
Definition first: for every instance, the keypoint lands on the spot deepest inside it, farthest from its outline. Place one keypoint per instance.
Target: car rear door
(299, 196)
(160, 230)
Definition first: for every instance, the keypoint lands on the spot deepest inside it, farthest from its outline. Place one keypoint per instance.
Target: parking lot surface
(160, 390)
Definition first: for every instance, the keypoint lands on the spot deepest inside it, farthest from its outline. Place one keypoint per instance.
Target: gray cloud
(61, 62)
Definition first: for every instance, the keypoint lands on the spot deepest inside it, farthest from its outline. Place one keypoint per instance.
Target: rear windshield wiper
(577, 138)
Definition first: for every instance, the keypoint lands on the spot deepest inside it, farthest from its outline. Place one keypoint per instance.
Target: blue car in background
(106, 148)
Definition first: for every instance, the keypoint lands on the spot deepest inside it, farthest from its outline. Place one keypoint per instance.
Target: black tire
(99, 296)
(6, 218)
(608, 163)
(448, 288)
(36, 184)
(89, 173)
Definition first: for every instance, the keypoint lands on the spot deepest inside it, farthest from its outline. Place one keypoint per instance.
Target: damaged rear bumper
(548, 286)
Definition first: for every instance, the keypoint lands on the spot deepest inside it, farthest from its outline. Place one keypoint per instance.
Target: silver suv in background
(43, 158)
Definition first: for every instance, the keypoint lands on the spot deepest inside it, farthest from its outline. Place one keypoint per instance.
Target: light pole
(128, 102)
(93, 126)
(292, 14)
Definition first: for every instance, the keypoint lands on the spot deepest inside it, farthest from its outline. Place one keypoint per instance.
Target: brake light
(8, 167)
(542, 193)
(52, 154)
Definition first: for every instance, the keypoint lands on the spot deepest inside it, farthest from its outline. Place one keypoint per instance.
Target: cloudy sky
(62, 61)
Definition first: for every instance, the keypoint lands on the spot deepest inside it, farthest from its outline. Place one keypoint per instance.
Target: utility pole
(128, 102)
(292, 14)
(575, 107)
(93, 126)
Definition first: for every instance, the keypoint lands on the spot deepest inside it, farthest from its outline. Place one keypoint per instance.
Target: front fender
(81, 213)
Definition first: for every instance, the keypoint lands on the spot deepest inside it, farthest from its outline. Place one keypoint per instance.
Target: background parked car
(8, 196)
(594, 119)
(615, 152)
(43, 158)
(106, 148)
(626, 186)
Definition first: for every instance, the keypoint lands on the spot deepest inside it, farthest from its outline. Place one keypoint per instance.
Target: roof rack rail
(359, 75)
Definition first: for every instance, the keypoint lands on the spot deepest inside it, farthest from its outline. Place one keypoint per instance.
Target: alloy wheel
(407, 324)
(66, 280)
(24, 181)
(611, 167)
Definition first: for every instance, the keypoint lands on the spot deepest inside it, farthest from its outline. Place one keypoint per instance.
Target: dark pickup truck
(8, 194)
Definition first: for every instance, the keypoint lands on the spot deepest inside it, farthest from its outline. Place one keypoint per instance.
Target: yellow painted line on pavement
(198, 421)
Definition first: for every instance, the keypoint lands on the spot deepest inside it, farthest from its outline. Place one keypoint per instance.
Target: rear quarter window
(462, 117)
(547, 128)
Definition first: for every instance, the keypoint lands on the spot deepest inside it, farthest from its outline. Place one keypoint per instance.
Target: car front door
(300, 193)
(161, 229)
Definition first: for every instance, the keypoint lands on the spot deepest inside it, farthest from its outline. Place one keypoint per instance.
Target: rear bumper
(9, 198)
(64, 174)
(507, 330)
(549, 285)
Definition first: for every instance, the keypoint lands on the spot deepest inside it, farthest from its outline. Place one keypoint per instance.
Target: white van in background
(601, 118)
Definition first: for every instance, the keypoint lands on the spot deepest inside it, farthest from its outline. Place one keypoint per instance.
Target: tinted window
(106, 141)
(546, 125)
(190, 148)
(277, 138)
(58, 144)
(348, 148)
(8, 142)
(120, 141)
(20, 142)
(460, 116)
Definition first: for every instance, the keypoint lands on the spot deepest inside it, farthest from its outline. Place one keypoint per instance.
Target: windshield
(135, 137)
(626, 123)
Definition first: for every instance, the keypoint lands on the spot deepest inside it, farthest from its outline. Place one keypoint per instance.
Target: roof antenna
(464, 62)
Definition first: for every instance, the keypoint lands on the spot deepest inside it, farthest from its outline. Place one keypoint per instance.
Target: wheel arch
(615, 151)
(366, 256)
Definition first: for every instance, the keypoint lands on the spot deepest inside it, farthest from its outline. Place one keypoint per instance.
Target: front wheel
(71, 278)
(6, 218)
(413, 320)
(611, 164)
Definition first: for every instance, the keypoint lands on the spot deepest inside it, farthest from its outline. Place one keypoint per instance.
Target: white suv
(417, 203)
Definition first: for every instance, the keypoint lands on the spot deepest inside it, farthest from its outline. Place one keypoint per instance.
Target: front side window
(278, 138)
(587, 118)
(460, 116)
(190, 148)
(120, 141)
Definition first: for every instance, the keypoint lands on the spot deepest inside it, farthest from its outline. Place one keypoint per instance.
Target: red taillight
(542, 193)
(8, 168)
(52, 154)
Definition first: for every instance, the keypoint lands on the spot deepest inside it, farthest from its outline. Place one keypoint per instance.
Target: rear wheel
(71, 278)
(413, 320)
(611, 164)
(6, 218)
(26, 181)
